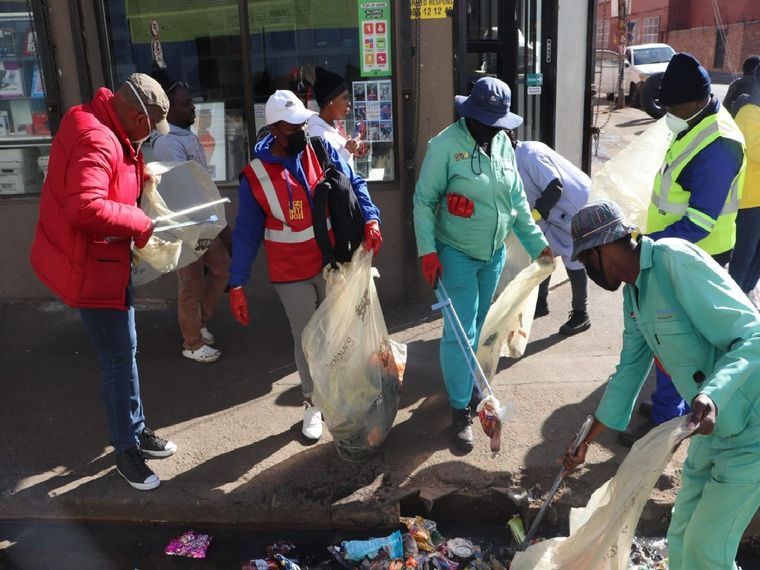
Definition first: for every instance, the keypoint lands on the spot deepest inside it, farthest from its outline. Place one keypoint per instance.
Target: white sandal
(204, 354)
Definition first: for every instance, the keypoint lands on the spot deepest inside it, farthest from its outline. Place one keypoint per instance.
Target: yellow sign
(430, 9)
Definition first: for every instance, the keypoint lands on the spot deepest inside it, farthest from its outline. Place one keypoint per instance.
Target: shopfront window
(197, 43)
(289, 38)
(24, 127)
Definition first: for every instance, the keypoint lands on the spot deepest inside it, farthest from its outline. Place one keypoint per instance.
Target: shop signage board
(534, 79)
(431, 9)
(375, 38)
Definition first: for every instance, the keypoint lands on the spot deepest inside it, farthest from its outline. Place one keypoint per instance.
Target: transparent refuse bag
(518, 332)
(357, 369)
(171, 188)
(628, 177)
(601, 532)
(509, 313)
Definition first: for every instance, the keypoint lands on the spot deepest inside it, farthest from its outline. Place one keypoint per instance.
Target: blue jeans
(745, 261)
(470, 284)
(115, 338)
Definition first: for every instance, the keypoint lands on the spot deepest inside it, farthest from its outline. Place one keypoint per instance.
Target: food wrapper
(491, 414)
(190, 544)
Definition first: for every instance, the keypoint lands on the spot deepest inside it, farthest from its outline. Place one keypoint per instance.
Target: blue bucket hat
(598, 223)
(489, 103)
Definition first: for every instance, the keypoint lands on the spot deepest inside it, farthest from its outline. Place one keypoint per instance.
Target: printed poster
(209, 128)
(375, 38)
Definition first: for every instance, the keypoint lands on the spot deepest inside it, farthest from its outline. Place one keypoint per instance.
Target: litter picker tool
(578, 440)
(190, 210)
(210, 219)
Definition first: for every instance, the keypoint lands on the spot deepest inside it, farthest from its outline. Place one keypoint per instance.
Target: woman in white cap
(468, 197)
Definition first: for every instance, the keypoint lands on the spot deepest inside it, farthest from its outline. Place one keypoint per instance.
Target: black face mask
(296, 142)
(598, 276)
(480, 132)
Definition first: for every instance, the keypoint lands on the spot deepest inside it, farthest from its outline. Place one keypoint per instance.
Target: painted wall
(571, 78)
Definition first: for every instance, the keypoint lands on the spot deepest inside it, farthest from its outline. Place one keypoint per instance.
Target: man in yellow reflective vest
(696, 193)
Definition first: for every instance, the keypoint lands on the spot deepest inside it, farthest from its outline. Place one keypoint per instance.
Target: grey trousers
(301, 299)
(578, 287)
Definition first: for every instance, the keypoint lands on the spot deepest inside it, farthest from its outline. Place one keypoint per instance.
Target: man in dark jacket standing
(744, 85)
(82, 248)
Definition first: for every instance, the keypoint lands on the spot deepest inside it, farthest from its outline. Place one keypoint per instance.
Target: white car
(642, 62)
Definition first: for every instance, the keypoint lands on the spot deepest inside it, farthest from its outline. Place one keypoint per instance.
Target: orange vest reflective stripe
(292, 250)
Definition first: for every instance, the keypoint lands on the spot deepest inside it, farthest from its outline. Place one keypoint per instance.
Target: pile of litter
(416, 545)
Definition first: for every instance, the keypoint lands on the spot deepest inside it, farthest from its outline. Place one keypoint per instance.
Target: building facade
(404, 61)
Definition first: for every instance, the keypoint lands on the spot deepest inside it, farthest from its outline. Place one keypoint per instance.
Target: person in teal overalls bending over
(682, 307)
(468, 197)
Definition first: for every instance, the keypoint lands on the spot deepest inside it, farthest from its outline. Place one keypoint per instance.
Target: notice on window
(375, 38)
(373, 122)
(431, 9)
(209, 128)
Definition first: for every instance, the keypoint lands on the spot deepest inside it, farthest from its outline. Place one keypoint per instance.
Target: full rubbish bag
(169, 189)
(601, 532)
(628, 177)
(357, 369)
(508, 311)
(518, 331)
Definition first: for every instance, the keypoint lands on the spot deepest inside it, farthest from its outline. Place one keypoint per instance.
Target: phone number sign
(430, 9)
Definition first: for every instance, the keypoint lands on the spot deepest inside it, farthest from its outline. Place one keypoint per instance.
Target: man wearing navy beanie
(695, 195)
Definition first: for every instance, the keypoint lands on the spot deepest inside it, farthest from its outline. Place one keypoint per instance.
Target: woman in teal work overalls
(468, 197)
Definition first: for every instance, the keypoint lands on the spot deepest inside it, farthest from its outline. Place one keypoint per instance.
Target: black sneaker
(645, 410)
(577, 323)
(542, 309)
(632, 435)
(461, 425)
(154, 446)
(131, 465)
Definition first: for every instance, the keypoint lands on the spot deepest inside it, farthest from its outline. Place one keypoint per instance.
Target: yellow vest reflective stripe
(670, 201)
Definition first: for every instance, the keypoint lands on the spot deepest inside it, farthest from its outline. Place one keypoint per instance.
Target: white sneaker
(207, 337)
(204, 354)
(312, 422)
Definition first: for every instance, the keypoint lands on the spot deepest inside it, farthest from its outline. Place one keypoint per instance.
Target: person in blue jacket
(276, 200)
(468, 197)
(695, 195)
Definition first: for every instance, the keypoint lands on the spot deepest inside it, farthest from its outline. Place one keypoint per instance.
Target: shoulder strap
(321, 152)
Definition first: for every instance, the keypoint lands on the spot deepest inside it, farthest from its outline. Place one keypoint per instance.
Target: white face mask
(679, 125)
(139, 142)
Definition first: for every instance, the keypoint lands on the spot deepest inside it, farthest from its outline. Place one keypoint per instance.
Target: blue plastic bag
(359, 549)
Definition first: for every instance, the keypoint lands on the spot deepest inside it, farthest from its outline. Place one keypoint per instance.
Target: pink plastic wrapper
(189, 544)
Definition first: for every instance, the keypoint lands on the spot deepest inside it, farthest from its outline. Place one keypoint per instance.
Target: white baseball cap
(283, 105)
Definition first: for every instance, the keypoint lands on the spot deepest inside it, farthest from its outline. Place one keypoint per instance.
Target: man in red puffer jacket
(82, 248)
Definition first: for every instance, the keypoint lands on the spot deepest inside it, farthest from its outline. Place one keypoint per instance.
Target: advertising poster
(11, 83)
(209, 127)
(373, 114)
(375, 38)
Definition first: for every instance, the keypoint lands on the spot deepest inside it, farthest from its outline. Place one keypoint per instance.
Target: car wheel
(634, 96)
(650, 96)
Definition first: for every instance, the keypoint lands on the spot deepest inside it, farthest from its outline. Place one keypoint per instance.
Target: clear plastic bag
(601, 532)
(628, 177)
(173, 187)
(507, 315)
(357, 369)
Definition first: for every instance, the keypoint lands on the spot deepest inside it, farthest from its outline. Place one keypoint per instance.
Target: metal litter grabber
(578, 440)
(490, 412)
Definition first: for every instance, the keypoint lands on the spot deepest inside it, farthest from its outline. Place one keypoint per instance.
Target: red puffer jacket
(93, 182)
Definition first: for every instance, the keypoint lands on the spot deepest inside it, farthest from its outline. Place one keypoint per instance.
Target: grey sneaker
(131, 465)
(154, 446)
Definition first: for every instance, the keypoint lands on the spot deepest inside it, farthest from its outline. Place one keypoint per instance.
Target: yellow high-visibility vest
(670, 201)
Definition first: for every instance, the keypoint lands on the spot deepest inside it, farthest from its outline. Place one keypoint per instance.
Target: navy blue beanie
(684, 80)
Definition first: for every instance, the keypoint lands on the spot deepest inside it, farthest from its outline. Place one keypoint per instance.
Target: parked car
(643, 67)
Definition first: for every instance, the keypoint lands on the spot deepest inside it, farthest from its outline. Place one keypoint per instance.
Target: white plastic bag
(601, 532)
(508, 313)
(357, 369)
(628, 177)
(172, 187)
